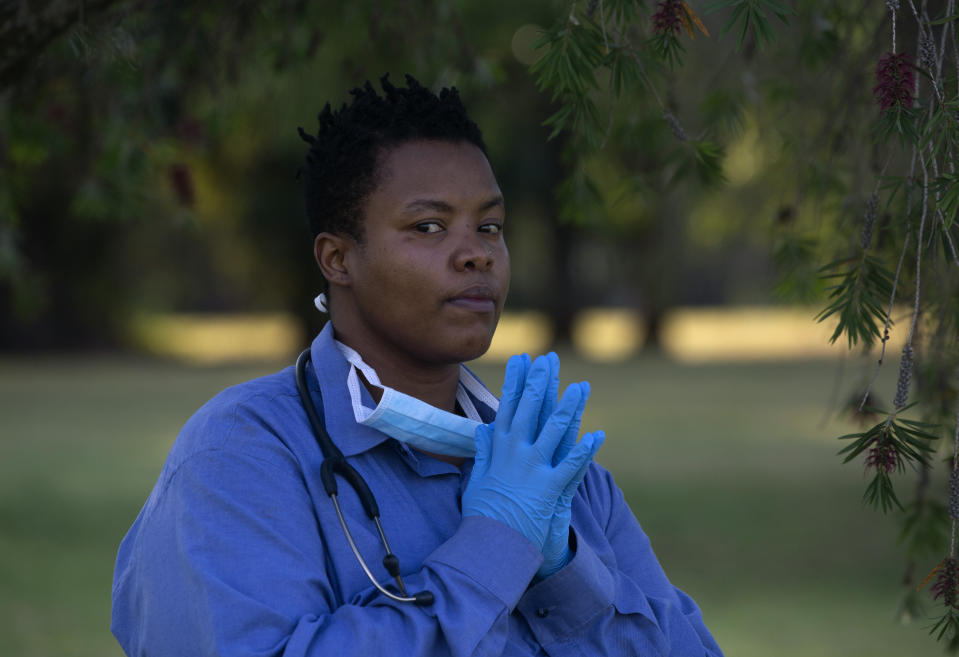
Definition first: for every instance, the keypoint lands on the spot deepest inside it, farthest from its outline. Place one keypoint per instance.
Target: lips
(477, 298)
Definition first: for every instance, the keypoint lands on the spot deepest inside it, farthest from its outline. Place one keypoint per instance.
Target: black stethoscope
(335, 463)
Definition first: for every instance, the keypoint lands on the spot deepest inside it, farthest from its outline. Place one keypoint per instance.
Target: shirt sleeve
(613, 597)
(229, 560)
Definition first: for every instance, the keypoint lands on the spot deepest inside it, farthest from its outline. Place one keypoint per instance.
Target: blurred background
(154, 250)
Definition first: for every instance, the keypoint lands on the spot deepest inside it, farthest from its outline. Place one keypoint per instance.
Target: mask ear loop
(335, 463)
(320, 302)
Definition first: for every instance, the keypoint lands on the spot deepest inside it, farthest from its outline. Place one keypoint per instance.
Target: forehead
(457, 173)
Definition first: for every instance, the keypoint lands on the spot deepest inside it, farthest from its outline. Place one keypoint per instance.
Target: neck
(453, 460)
(435, 384)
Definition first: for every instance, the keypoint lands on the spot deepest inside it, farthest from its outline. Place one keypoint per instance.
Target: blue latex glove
(514, 478)
(556, 551)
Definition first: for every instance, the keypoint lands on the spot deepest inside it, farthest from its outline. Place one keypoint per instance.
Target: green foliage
(925, 528)
(880, 493)
(625, 70)
(567, 67)
(892, 443)
(701, 161)
(947, 627)
(940, 133)
(580, 201)
(603, 64)
(724, 109)
(621, 12)
(667, 47)
(797, 265)
(578, 114)
(946, 188)
(945, 19)
(751, 16)
(708, 159)
(901, 123)
(858, 297)
(574, 51)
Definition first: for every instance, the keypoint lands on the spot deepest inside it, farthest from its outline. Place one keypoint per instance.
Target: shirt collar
(331, 370)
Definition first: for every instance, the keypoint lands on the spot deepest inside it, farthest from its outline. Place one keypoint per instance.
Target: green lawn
(730, 468)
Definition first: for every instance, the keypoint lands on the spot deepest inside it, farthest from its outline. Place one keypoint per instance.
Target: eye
(492, 228)
(428, 227)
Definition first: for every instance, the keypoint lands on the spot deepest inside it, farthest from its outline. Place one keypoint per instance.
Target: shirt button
(542, 612)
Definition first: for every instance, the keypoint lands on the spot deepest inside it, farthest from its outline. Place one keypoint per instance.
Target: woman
(517, 542)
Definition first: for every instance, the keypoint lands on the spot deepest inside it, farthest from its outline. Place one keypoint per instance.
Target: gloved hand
(556, 552)
(515, 479)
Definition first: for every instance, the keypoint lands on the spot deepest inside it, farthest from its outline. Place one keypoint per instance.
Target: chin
(471, 348)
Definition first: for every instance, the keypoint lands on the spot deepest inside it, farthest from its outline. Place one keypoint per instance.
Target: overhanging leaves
(857, 298)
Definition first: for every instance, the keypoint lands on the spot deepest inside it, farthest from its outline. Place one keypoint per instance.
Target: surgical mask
(414, 422)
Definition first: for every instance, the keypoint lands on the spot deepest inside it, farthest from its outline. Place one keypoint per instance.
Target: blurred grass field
(729, 467)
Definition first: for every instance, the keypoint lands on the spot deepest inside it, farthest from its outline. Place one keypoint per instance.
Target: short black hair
(342, 165)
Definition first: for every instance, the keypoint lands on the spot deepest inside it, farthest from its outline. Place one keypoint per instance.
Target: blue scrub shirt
(238, 550)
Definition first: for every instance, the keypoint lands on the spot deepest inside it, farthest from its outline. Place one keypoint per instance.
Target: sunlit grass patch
(520, 332)
(217, 338)
(751, 333)
(599, 334)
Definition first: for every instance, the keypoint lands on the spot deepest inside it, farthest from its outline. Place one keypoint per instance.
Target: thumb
(483, 436)
(572, 486)
(574, 466)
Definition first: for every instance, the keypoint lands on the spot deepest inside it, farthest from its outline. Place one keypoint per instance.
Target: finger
(552, 390)
(484, 450)
(581, 454)
(517, 369)
(572, 431)
(569, 407)
(567, 495)
(527, 411)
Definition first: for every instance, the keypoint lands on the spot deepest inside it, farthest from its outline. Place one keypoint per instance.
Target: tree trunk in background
(562, 299)
(658, 256)
(653, 325)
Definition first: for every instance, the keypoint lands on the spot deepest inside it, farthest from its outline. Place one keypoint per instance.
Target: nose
(473, 252)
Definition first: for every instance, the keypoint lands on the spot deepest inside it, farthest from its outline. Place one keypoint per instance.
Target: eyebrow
(442, 206)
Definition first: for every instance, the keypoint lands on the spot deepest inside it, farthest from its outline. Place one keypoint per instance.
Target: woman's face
(430, 276)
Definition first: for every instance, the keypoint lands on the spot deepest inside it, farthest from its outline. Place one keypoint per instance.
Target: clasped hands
(528, 463)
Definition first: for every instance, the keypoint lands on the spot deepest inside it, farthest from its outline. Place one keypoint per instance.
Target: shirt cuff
(562, 604)
(492, 554)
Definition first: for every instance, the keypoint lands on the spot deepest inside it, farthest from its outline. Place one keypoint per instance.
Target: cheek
(401, 283)
(505, 270)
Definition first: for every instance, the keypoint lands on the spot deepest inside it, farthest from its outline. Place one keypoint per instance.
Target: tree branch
(25, 33)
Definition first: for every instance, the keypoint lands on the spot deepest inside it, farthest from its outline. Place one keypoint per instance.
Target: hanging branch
(885, 332)
(946, 573)
(915, 121)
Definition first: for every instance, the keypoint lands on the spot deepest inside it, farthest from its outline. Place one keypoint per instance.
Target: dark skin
(423, 290)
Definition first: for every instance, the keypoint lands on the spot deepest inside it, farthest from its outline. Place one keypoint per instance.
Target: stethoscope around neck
(334, 463)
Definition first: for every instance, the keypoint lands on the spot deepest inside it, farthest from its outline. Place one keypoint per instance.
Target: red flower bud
(895, 80)
(945, 585)
(667, 19)
(883, 458)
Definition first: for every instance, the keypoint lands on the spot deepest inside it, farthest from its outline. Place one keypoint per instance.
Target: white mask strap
(320, 302)
(467, 382)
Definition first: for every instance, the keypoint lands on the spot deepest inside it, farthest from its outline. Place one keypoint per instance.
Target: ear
(330, 251)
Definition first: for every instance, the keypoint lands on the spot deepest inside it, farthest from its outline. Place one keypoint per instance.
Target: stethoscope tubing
(334, 462)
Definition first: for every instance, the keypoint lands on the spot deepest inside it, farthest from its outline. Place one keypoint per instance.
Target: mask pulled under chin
(414, 422)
